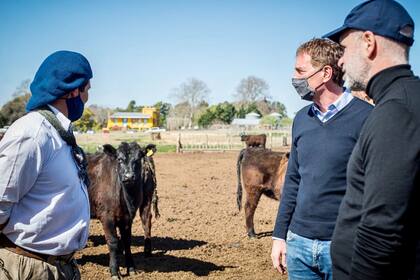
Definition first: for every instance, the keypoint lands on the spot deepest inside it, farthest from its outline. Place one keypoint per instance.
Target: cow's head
(244, 137)
(128, 157)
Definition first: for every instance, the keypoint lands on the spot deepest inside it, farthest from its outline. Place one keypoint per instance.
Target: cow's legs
(125, 230)
(112, 242)
(146, 219)
(250, 206)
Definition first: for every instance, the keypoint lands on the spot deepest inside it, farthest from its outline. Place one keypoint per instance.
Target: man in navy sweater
(324, 134)
(377, 235)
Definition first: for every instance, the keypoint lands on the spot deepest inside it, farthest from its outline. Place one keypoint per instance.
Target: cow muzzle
(128, 177)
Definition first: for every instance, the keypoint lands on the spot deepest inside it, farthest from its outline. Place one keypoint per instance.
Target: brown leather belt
(10, 246)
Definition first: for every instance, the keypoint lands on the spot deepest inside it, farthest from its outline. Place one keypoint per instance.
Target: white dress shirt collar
(65, 122)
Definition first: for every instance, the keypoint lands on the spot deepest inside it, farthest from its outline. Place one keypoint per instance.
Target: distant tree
(181, 110)
(131, 107)
(286, 122)
(273, 121)
(163, 108)
(192, 92)
(266, 107)
(86, 122)
(278, 107)
(15, 108)
(3, 120)
(243, 110)
(23, 88)
(119, 109)
(251, 89)
(222, 112)
(225, 112)
(100, 115)
(263, 106)
(253, 108)
(207, 118)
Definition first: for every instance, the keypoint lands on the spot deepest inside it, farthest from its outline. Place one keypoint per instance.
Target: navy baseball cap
(386, 18)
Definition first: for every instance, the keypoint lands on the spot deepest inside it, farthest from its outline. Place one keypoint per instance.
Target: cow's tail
(155, 200)
(238, 172)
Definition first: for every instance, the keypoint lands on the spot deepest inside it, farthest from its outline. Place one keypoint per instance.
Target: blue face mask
(75, 107)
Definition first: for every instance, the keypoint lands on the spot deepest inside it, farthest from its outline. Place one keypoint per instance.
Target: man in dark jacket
(376, 235)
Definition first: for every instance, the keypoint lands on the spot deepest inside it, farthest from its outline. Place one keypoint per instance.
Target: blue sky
(142, 50)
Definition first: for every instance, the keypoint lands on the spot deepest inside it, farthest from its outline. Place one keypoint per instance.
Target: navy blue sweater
(316, 174)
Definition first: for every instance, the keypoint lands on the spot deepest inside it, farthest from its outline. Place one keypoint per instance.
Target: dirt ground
(200, 234)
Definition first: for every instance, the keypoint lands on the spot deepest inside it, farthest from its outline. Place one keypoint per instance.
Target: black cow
(115, 194)
(150, 198)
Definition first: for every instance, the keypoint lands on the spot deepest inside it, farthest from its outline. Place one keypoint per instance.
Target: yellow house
(148, 118)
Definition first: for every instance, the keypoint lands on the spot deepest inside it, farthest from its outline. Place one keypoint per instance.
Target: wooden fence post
(178, 144)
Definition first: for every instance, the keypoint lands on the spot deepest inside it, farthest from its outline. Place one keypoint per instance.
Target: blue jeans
(308, 258)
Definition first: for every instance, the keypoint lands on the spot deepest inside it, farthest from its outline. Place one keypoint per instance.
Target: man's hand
(278, 255)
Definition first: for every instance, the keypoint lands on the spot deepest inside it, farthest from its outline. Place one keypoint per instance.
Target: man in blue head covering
(377, 234)
(44, 206)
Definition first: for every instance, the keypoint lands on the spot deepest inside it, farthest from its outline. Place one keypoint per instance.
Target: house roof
(245, 122)
(131, 115)
(252, 115)
(275, 114)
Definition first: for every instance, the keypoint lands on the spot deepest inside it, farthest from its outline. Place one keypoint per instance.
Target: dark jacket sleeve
(391, 165)
(290, 190)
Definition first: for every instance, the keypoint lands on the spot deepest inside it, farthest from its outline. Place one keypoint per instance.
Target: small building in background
(251, 120)
(147, 118)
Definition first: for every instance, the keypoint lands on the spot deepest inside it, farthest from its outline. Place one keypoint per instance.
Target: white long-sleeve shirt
(40, 191)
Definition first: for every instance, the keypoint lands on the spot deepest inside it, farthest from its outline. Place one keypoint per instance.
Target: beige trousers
(17, 267)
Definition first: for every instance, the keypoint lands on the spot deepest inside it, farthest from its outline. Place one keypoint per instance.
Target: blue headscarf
(59, 74)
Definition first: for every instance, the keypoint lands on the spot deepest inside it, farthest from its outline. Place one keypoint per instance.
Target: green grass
(166, 148)
(92, 148)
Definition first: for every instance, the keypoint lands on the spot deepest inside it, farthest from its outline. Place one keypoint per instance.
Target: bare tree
(100, 114)
(23, 88)
(251, 89)
(192, 92)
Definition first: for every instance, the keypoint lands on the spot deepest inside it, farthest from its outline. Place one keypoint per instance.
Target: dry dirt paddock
(200, 234)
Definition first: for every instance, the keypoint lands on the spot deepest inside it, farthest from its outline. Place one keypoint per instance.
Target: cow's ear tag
(149, 153)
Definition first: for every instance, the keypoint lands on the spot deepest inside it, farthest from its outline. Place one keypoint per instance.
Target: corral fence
(187, 140)
(225, 140)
